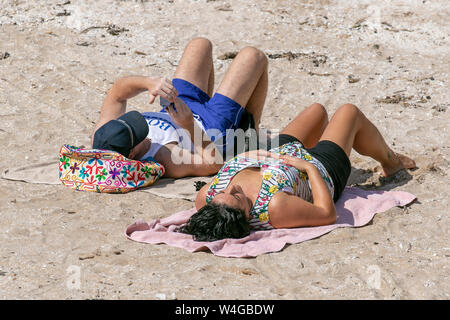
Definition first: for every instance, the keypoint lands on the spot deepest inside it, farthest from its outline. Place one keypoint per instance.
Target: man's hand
(182, 116)
(162, 87)
(205, 150)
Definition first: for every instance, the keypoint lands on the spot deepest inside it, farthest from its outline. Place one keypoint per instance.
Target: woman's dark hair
(215, 222)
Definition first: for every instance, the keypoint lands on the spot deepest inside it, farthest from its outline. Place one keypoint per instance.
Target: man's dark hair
(215, 222)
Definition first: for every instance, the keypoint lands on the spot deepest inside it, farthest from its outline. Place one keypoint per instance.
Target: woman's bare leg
(196, 65)
(308, 125)
(246, 81)
(349, 128)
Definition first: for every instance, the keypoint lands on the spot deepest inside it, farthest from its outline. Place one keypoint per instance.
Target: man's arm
(126, 88)
(205, 150)
(180, 163)
(206, 158)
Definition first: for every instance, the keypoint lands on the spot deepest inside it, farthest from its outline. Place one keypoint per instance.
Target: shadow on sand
(369, 180)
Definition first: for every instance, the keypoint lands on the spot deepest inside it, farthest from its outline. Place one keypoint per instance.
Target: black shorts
(333, 158)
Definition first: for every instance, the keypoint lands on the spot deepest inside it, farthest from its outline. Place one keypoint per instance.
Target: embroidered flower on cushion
(65, 162)
(83, 174)
(126, 170)
(101, 175)
(135, 185)
(74, 168)
(96, 159)
(114, 173)
(148, 171)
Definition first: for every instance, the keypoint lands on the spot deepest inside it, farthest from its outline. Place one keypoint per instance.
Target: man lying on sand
(169, 136)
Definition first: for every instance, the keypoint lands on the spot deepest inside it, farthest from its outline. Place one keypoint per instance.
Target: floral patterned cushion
(105, 171)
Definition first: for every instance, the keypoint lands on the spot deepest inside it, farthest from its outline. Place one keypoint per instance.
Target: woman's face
(235, 197)
(140, 150)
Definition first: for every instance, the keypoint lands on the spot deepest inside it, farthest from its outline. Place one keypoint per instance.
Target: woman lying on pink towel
(296, 182)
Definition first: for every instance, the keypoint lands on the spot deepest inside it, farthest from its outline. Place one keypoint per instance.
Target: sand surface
(390, 58)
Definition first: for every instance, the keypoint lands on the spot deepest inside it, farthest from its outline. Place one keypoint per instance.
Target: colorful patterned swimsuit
(276, 177)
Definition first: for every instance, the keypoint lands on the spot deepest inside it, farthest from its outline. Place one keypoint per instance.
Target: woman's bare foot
(399, 162)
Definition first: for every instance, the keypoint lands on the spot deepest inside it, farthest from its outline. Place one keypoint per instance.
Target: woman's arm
(288, 211)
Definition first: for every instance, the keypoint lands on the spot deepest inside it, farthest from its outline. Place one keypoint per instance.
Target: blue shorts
(217, 114)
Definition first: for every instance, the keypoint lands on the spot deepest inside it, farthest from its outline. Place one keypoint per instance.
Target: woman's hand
(298, 163)
(182, 116)
(162, 87)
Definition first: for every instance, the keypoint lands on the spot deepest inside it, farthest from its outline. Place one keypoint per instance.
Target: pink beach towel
(355, 208)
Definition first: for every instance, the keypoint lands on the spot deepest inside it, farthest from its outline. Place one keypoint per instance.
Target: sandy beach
(58, 59)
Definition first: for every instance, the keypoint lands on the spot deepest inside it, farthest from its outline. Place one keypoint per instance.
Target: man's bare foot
(399, 162)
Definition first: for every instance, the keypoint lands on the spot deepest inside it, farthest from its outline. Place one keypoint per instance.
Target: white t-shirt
(161, 131)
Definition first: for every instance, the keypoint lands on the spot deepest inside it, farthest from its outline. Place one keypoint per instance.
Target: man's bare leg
(196, 65)
(246, 81)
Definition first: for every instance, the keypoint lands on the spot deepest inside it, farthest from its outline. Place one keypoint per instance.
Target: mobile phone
(164, 103)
